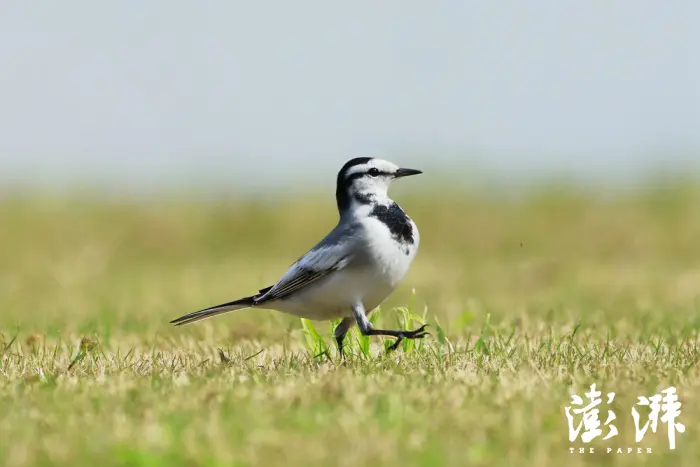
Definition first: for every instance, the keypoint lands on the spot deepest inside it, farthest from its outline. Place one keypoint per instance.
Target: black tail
(215, 310)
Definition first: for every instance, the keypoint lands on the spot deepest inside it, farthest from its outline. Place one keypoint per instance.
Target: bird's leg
(367, 330)
(341, 330)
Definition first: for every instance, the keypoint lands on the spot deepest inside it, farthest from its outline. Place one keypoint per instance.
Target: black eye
(374, 172)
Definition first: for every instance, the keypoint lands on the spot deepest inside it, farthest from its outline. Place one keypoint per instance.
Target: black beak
(406, 172)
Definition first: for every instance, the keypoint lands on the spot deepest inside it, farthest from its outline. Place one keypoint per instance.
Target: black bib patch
(397, 221)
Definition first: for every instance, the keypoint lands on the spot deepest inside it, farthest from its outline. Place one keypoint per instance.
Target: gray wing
(333, 253)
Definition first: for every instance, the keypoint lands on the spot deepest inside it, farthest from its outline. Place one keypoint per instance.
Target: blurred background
(238, 95)
(163, 149)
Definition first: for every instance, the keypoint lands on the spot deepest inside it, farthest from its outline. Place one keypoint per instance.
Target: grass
(529, 300)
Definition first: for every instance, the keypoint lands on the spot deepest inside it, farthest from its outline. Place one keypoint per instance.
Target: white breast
(391, 259)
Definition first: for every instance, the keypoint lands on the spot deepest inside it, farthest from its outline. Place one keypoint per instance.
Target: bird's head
(366, 180)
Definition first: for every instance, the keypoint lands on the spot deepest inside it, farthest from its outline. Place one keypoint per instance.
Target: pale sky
(155, 92)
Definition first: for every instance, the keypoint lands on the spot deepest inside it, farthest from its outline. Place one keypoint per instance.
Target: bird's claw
(415, 334)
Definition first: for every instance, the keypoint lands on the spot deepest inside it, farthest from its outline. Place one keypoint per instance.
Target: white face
(366, 180)
(371, 178)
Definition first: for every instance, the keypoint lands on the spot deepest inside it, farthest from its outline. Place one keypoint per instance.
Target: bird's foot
(343, 360)
(415, 334)
(341, 348)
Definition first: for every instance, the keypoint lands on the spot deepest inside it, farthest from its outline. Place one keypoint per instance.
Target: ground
(530, 300)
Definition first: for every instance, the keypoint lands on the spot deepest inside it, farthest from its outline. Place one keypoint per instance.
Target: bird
(354, 268)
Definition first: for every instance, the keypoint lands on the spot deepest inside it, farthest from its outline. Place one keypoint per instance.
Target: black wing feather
(302, 279)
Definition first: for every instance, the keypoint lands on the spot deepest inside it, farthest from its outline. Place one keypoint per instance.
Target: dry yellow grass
(537, 297)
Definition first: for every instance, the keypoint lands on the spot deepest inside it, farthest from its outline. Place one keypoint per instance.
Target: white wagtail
(355, 267)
